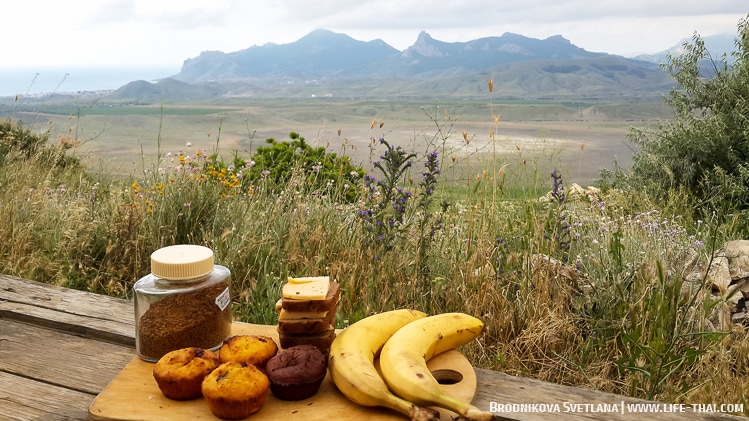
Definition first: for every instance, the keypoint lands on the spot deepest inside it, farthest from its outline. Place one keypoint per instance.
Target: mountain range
(328, 64)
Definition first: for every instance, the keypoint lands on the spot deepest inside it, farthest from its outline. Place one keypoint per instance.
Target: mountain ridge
(326, 63)
(717, 45)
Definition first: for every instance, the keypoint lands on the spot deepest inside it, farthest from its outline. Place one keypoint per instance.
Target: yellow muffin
(248, 349)
(179, 374)
(235, 390)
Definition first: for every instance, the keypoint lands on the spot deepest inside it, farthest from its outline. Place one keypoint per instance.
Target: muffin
(179, 373)
(248, 349)
(297, 372)
(235, 390)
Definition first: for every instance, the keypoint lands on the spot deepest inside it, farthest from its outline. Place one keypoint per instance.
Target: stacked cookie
(306, 312)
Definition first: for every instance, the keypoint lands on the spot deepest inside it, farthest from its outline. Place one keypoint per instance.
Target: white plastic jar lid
(182, 262)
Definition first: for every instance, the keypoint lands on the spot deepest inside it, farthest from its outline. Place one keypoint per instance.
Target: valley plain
(126, 139)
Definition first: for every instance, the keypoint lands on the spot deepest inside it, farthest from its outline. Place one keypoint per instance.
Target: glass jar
(184, 302)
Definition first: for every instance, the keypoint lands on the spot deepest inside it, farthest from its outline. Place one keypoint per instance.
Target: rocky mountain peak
(559, 38)
(424, 46)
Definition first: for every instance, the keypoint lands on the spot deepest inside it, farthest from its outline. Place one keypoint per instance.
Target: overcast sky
(163, 33)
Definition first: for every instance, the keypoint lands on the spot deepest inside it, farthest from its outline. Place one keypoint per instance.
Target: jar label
(223, 299)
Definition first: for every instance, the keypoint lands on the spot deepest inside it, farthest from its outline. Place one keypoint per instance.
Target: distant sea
(35, 81)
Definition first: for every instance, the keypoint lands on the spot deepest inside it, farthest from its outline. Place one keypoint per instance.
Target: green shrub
(324, 172)
(14, 137)
(19, 143)
(704, 149)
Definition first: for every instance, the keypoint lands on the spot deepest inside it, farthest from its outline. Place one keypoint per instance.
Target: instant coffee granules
(183, 303)
(186, 320)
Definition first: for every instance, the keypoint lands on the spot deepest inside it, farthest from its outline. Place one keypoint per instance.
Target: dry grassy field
(579, 139)
(624, 319)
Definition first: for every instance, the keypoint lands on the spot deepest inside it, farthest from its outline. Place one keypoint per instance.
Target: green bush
(704, 149)
(324, 172)
(14, 137)
(19, 143)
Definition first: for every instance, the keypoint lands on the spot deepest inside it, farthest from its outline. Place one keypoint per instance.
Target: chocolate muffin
(297, 372)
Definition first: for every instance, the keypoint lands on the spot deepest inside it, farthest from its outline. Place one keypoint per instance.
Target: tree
(704, 149)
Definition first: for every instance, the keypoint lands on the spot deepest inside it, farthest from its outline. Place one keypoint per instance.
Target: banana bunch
(403, 360)
(351, 363)
(404, 340)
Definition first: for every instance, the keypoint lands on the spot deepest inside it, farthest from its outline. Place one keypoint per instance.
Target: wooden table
(59, 348)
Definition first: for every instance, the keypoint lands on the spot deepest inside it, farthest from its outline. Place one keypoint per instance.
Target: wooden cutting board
(133, 394)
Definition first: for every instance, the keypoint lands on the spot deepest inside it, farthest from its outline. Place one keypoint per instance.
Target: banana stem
(420, 413)
(464, 409)
(475, 414)
(413, 411)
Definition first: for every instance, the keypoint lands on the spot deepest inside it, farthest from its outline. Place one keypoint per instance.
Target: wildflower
(149, 206)
(429, 178)
(435, 226)
(558, 191)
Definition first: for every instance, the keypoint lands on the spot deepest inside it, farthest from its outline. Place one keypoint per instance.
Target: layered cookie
(306, 312)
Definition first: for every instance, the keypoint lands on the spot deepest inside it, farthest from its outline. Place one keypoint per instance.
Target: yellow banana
(351, 363)
(404, 356)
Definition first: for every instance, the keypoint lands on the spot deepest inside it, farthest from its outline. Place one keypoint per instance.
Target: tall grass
(579, 287)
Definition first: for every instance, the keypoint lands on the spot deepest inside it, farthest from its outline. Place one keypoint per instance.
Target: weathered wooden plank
(60, 359)
(83, 313)
(59, 348)
(24, 399)
(59, 298)
(502, 388)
